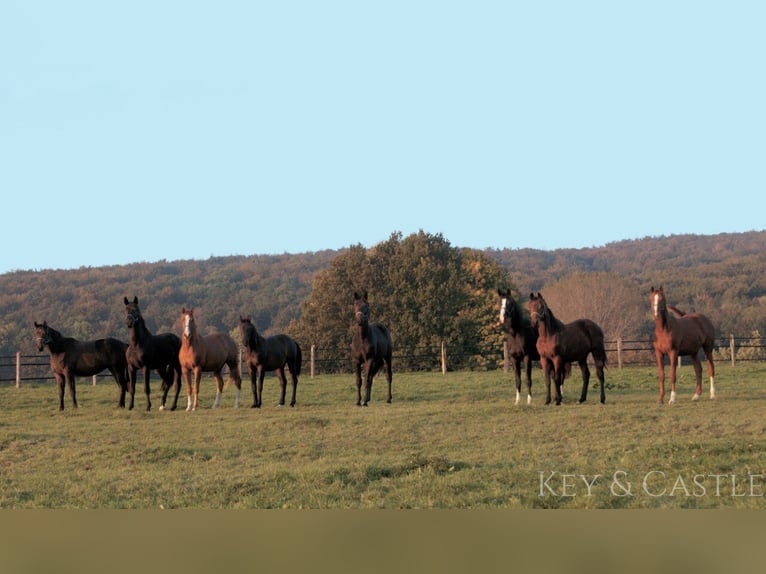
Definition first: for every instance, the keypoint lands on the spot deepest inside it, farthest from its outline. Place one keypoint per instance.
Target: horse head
(246, 330)
(538, 309)
(42, 336)
(132, 312)
(657, 299)
(361, 309)
(187, 320)
(507, 305)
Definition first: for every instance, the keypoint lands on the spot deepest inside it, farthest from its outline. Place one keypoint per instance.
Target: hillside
(720, 275)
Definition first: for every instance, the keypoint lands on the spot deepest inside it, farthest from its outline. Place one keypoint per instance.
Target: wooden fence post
(311, 361)
(444, 358)
(619, 352)
(731, 349)
(18, 369)
(94, 380)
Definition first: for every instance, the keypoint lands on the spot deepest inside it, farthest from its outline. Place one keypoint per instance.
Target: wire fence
(20, 368)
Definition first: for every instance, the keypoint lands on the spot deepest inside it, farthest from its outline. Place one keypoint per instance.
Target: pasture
(446, 441)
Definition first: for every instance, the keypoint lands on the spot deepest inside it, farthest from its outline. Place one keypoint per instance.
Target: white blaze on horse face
(656, 304)
(503, 304)
(187, 326)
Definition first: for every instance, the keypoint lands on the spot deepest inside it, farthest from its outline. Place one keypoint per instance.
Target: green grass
(454, 441)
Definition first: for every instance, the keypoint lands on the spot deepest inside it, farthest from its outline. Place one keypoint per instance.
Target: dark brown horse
(208, 354)
(147, 352)
(522, 341)
(71, 358)
(680, 336)
(371, 347)
(269, 354)
(560, 344)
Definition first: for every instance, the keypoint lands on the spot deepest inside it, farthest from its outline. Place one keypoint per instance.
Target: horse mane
(676, 310)
(555, 323)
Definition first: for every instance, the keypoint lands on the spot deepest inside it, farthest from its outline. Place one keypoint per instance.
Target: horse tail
(676, 310)
(298, 359)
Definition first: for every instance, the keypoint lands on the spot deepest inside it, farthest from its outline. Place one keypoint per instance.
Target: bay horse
(559, 344)
(147, 351)
(371, 347)
(71, 358)
(680, 336)
(273, 353)
(208, 353)
(522, 341)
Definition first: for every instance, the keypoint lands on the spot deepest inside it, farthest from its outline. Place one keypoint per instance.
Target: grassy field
(447, 441)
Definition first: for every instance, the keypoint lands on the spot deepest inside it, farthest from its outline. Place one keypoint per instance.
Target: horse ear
(183, 309)
(365, 294)
(531, 296)
(126, 300)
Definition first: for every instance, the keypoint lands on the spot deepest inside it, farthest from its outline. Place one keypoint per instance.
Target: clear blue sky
(149, 130)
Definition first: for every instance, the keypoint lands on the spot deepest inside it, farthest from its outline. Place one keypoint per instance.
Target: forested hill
(682, 259)
(721, 275)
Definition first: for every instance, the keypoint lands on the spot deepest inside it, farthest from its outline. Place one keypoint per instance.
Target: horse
(679, 336)
(208, 353)
(269, 354)
(147, 352)
(371, 347)
(560, 344)
(522, 341)
(71, 358)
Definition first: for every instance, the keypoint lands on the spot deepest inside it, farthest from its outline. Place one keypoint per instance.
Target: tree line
(427, 290)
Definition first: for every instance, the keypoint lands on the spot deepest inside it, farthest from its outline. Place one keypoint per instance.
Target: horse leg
(528, 367)
(697, 376)
(187, 375)
(164, 387)
(132, 386)
(294, 379)
(261, 375)
(177, 377)
(389, 378)
(558, 379)
(547, 374)
(236, 376)
(358, 368)
(660, 374)
(282, 385)
(585, 379)
(673, 358)
(600, 375)
(254, 385)
(120, 380)
(710, 371)
(195, 390)
(218, 389)
(71, 384)
(373, 366)
(516, 361)
(61, 381)
(147, 375)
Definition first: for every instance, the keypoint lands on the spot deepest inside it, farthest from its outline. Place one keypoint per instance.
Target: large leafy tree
(426, 291)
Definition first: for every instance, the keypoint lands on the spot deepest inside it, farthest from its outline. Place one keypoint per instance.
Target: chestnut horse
(522, 341)
(147, 352)
(371, 347)
(560, 344)
(680, 336)
(269, 354)
(208, 353)
(71, 358)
